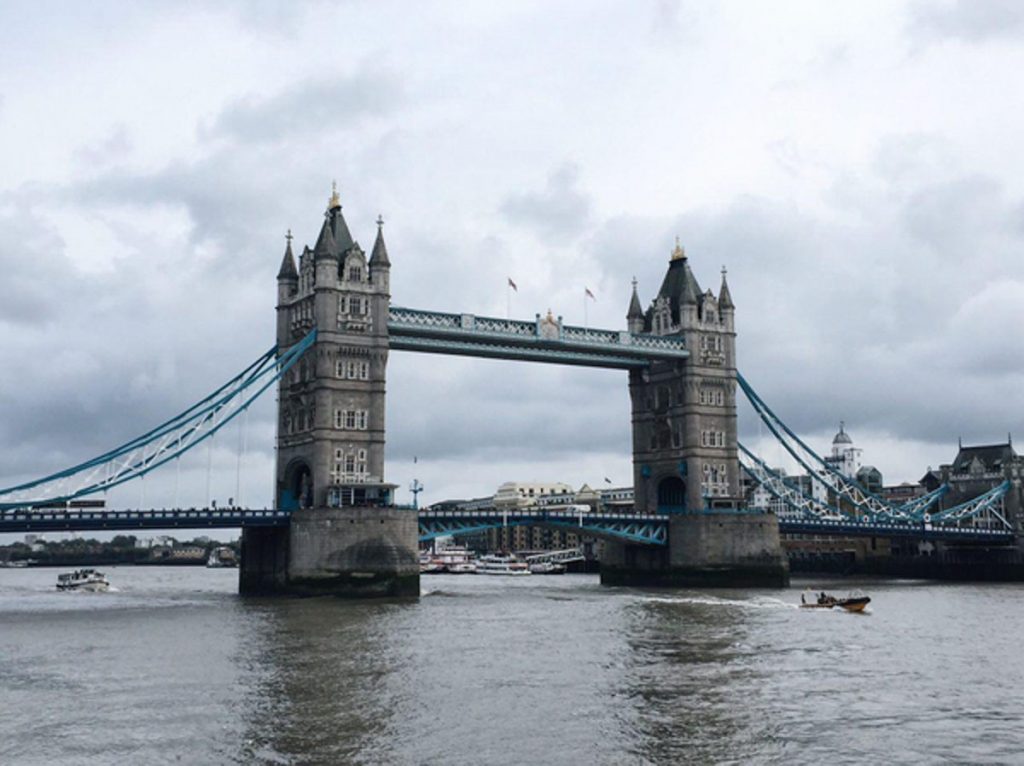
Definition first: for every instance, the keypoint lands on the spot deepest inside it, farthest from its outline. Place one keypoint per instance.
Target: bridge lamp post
(415, 488)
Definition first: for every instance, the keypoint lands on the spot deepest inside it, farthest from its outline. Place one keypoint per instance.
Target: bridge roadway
(651, 529)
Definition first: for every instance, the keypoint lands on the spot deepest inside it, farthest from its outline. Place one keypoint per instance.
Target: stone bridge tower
(685, 460)
(684, 413)
(330, 442)
(345, 536)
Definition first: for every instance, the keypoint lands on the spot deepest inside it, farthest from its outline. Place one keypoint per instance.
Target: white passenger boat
(547, 567)
(502, 565)
(221, 557)
(83, 579)
(428, 565)
(451, 559)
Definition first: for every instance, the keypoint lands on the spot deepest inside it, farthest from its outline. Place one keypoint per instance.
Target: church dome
(842, 437)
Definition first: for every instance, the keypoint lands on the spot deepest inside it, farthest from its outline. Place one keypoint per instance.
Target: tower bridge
(681, 361)
(334, 526)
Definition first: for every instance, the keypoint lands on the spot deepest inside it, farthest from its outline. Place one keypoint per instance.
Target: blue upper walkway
(544, 340)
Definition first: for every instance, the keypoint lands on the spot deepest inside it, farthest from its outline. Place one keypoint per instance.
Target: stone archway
(671, 494)
(297, 487)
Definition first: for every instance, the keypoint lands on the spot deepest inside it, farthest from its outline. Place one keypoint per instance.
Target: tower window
(355, 274)
(351, 420)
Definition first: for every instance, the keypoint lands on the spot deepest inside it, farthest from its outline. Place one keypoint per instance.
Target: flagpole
(586, 324)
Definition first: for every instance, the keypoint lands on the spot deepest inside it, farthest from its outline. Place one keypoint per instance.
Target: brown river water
(174, 667)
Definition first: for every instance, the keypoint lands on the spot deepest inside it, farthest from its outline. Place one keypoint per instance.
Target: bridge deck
(636, 527)
(895, 530)
(160, 518)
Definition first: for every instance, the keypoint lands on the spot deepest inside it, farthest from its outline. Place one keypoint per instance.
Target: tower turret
(288, 273)
(724, 296)
(287, 287)
(635, 315)
(380, 265)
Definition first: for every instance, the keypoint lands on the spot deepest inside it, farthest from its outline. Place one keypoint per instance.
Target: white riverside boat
(221, 558)
(83, 579)
(547, 567)
(452, 559)
(502, 565)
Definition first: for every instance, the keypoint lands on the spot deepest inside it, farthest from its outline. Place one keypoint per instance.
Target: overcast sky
(856, 166)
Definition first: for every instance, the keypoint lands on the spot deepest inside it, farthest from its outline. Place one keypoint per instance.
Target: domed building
(845, 458)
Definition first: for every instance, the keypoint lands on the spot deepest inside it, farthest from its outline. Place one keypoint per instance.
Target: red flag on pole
(512, 284)
(589, 294)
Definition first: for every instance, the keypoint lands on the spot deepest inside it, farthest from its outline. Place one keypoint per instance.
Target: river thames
(174, 667)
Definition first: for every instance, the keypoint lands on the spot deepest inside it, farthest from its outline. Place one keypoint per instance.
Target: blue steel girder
(538, 341)
(649, 529)
(46, 520)
(895, 529)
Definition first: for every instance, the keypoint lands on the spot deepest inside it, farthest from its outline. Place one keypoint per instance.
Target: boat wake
(438, 593)
(757, 602)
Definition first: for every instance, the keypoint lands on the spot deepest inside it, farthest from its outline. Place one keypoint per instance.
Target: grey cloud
(560, 212)
(968, 20)
(110, 150)
(219, 194)
(309, 107)
(949, 216)
(37, 274)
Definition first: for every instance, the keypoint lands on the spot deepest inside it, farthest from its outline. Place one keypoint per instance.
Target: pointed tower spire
(379, 256)
(635, 315)
(288, 272)
(635, 309)
(724, 296)
(325, 247)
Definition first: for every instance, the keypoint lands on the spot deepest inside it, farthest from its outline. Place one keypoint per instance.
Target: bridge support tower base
(346, 552)
(716, 550)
